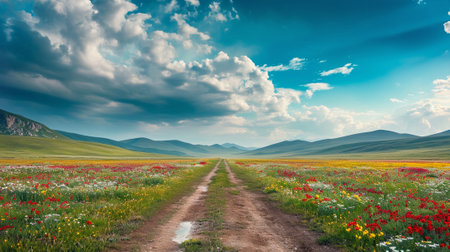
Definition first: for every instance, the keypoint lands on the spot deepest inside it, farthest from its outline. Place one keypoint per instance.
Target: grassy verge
(215, 206)
(20, 147)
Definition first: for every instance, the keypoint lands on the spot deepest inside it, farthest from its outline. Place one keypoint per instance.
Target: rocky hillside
(16, 125)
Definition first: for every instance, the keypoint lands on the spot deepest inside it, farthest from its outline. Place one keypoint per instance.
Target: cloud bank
(104, 58)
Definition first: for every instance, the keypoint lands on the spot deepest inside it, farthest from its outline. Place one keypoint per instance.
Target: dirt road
(186, 212)
(254, 224)
(251, 223)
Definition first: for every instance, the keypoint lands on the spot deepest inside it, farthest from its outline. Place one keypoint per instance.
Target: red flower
(89, 222)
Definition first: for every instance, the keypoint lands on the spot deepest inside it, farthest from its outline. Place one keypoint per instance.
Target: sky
(247, 72)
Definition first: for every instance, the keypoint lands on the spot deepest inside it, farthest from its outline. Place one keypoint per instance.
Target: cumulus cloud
(104, 58)
(313, 87)
(428, 115)
(294, 64)
(316, 121)
(193, 2)
(346, 69)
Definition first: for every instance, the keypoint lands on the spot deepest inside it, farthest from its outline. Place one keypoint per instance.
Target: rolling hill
(392, 145)
(232, 145)
(120, 144)
(186, 149)
(167, 147)
(40, 147)
(377, 144)
(300, 147)
(20, 136)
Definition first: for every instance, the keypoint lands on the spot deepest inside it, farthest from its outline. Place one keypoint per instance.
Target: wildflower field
(73, 205)
(362, 205)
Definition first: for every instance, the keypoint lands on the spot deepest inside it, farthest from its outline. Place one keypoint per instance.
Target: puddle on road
(204, 188)
(183, 232)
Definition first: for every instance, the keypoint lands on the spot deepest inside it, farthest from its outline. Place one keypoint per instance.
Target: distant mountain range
(380, 142)
(168, 147)
(369, 142)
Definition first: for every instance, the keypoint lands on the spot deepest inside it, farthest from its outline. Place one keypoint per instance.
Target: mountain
(278, 148)
(443, 133)
(304, 147)
(16, 125)
(392, 145)
(168, 147)
(365, 137)
(239, 147)
(120, 144)
(38, 147)
(22, 136)
(186, 149)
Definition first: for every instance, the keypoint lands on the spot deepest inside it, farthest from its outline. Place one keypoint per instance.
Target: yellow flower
(372, 235)
(348, 229)
(381, 234)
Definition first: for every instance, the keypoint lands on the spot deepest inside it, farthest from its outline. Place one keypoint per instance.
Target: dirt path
(189, 208)
(253, 224)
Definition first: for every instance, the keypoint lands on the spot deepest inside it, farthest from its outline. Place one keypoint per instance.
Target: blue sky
(252, 73)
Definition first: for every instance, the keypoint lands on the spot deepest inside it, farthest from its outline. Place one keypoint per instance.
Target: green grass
(215, 207)
(38, 147)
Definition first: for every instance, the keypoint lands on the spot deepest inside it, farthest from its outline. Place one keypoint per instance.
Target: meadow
(75, 205)
(361, 205)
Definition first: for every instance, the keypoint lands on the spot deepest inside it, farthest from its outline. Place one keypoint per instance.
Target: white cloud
(447, 27)
(313, 87)
(294, 64)
(346, 69)
(218, 14)
(395, 100)
(170, 7)
(441, 89)
(112, 13)
(278, 135)
(193, 2)
(421, 2)
(428, 115)
(320, 122)
(187, 30)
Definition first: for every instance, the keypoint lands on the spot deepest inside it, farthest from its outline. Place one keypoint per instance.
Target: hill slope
(168, 147)
(392, 145)
(16, 125)
(24, 146)
(299, 147)
(182, 147)
(120, 144)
